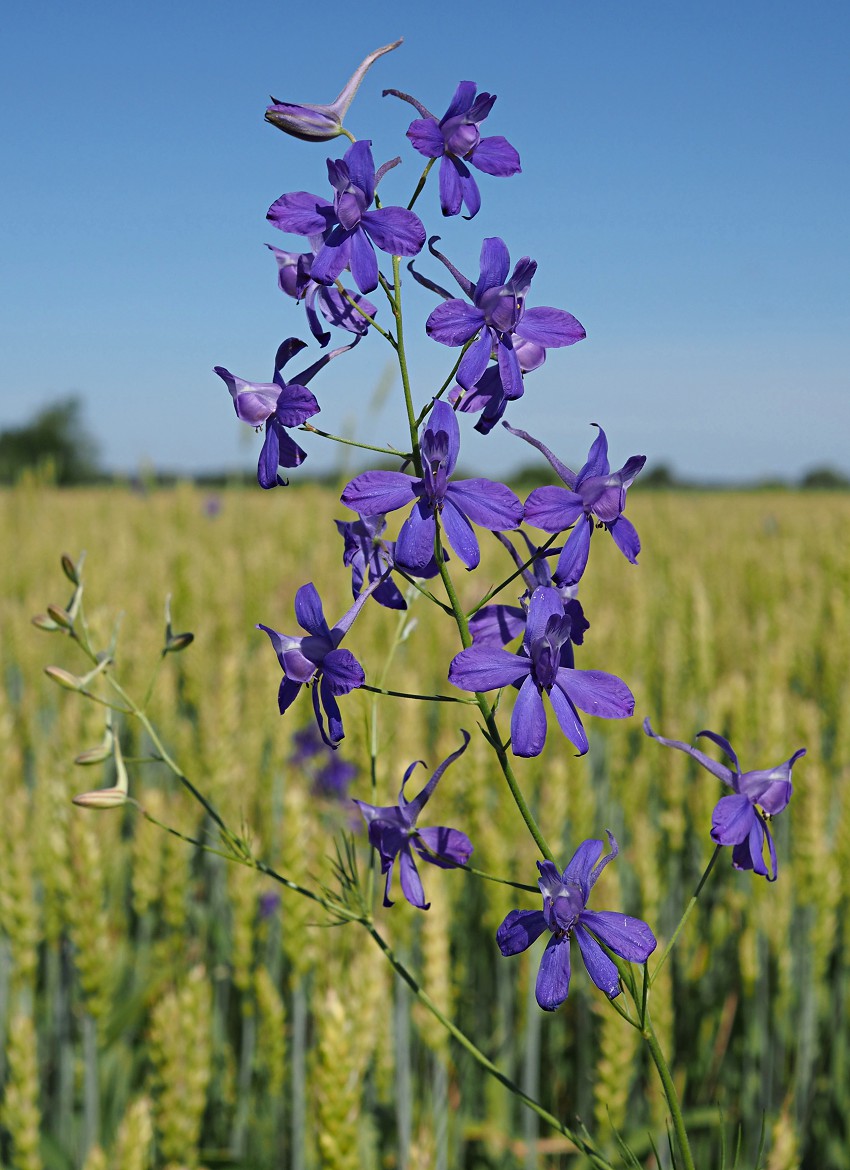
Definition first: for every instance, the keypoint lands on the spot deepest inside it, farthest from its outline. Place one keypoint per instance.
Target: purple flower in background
(330, 774)
(371, 558)
(515, 336)
(348, 229)
(565, 914)
(317, 660)
(496, 625)
(489, 504)
(539, 669)
(393, 831)
(279, 405)
(595, 491)
(320, 123)
(741, 820)
(294, 279)
(456, 140)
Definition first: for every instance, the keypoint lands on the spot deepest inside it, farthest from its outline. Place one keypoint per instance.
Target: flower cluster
(525, 641)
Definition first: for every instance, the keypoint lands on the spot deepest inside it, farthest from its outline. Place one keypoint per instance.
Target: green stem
(665, 953)
(586, 1147)
(402, 364)
(426, 409)
(421, 184)
(494, 735)
(353, 442)
(409, 695)
(358, 308)
(517, 573)
(670, 1093)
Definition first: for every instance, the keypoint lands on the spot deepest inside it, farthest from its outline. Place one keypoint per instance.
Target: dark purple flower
(496, 625)
(537, 670)
(392, 831)
(294, 279)
(279, 405)
(319, 123)
(489, 504)
(348, 229)
(595, 491)
(370, 558)
(456, 140)
(741, 820)
(317, 660)
(515, 336)
(564, 913)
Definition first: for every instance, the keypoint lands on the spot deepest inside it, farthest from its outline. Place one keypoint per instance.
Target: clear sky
(684, 190)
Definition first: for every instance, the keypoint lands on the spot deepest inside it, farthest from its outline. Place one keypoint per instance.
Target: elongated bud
(42, 622)
(70, 569)
(104, 749)
(60, 616)
(174, 642)
(101, 798)
(64, 678)
(320, 123)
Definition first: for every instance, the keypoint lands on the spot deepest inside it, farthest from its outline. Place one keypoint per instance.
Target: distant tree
(825, 479)
(659, 476)
(55, 440)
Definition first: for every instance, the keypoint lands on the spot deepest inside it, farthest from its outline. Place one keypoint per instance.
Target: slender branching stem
(688, 909)
(421, 184)
(352, 442)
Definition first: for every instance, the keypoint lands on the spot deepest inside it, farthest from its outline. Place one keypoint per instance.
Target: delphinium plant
(516, 673)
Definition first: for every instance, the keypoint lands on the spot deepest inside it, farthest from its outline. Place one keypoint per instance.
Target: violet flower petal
(528, 721)
(376, 492)
(628, 937)
(553, 977)
(480, 668)
(519, 930)
(600, 968)
(495, 156)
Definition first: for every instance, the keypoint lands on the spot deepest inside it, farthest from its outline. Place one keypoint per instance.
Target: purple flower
(515, 336)
(318, 123)
(496, 625)
(489, 504)
(348, 229)
(294, 279)
(741, 820)
(595, 491)
(279, 405)
(564, 913)
(392, 831)
(370, 557)
(539, 669)
(456, 140)
(317, 660)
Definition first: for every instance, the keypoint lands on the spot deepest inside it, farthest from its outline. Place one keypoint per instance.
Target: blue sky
(684, 190)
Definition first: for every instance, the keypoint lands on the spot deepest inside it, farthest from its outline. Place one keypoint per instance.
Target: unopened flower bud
(319, 123)
(60, 616)
(101, 798)
(70, 569)
(95, 755)
(42, 622)
(71, 682)
(177, 642)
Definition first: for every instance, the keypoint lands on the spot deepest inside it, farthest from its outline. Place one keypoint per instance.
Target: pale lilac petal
(379, 492)
(395, 230)
(553, 508)
(301, 213)
(363, 261)
(553, 978)
(452, 847)
(288, 650)
(625, 537)
(519, 930)
(488, 504)
(568, 720)
(252, 401)
(551, 328)
(495, 156)
(414, 548)
(628, 937)
(573, 559)
(480, 668)
(528, 721)
(597, 692)
(460, 535)
(600, 968)
(454, 322)
(732, 820)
